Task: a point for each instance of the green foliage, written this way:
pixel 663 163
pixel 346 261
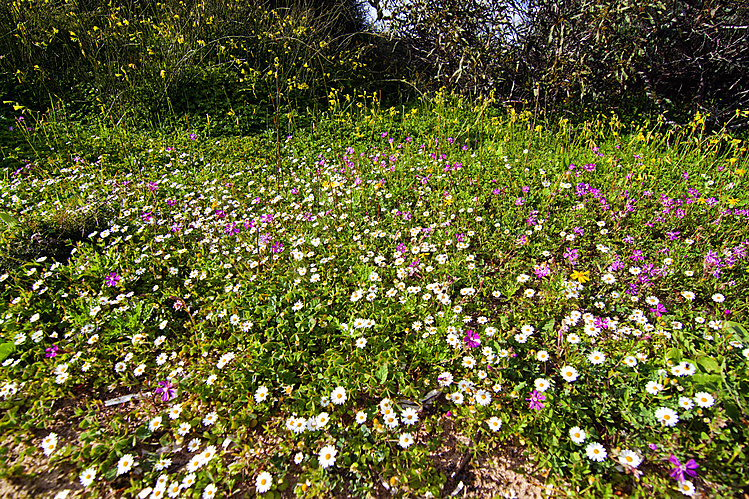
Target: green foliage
pixel 245 61
pixel 260 277
pixel 671 57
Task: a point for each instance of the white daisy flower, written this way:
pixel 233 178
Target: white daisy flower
pixel 263 482
pixel 577 435
pixel 703 399
pixel 666 416
pixel 327 455
pixel 595 452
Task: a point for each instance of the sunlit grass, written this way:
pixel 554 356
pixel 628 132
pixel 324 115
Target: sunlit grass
pixel 311 322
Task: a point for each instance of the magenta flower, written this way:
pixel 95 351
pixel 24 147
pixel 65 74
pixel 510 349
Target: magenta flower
pixel 112 279
pixel 571 255
pixel 535 400
pixel 51 351
pixel 166 390
pixel 678 472
pixel 542 270
pixel 472 338
pixel 658 310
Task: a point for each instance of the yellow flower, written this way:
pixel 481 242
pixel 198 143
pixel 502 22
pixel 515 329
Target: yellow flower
pixel 733 201
pixel 581 277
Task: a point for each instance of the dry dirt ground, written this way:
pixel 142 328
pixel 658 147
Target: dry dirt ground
pixel 493 476
pixel 501 474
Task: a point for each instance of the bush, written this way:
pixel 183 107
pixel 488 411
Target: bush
pixel 147 60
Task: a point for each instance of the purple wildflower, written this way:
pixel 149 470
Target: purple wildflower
pixel 532 218
pixel 616 264
pixel 602 322
pixel 678 472
pixel 472 338
pixel 571 255
pixel 166 390
pixel 112 279
pixel 277 247
pixel 535 400
pixel 50 352
pixel 542 270
pixel 658 310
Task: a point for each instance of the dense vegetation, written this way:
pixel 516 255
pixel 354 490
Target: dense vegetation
pixel 341 311
pixel 251 248
pixel 249 64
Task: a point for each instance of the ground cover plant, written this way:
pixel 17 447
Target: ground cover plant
pixel 315 316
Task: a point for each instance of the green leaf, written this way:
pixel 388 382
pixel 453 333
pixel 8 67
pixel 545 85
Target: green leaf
pixel 549 326
pixel 709 364
pixel 732 411
pixel 9 219
pixel 382 373
pixel 6 349
pixel 738 329
pixel 110 474
pixel 674 354
pixel 711 380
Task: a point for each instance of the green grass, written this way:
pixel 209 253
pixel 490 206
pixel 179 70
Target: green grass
pixel 257 275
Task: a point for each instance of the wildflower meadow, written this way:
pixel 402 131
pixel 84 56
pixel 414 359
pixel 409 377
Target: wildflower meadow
pixel 377 305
